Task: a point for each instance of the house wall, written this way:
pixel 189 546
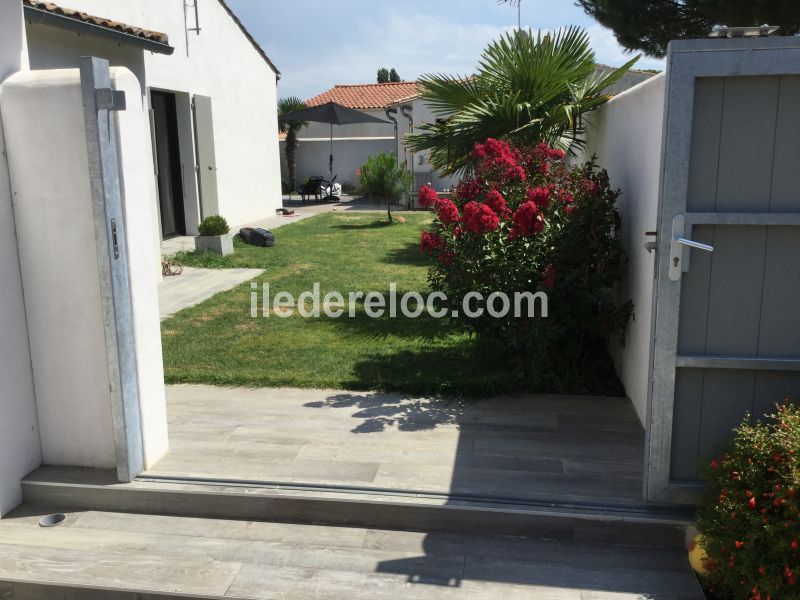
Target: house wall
pixel 222 64
pixel 626 135
pixel 20 448
pixel 55 48
pixel 43 111
pixel 424 171
pixel 352 144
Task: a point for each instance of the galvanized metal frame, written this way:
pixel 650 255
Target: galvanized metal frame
pixel 100 103
pixel 687 61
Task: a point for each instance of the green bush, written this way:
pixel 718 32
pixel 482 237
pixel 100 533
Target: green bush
pixel 750 521
pixel 213 225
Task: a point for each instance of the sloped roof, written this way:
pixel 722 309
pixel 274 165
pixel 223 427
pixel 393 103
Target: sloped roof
pixel 249 36
pixel 76 15
pixel 144 34
pixel 367 95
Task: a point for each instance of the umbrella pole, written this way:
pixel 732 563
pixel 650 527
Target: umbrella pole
pixel 330 195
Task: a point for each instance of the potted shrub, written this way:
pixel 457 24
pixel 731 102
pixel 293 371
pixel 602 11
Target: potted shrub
pixel 214 236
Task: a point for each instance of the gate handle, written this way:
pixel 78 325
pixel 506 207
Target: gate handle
pixel 693 244
pixel 679 256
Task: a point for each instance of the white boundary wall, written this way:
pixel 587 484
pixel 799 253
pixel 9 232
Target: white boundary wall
pixel 49 170
pixel 626 135
pixel 20 450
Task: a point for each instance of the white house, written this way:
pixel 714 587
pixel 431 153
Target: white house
pixel 213 127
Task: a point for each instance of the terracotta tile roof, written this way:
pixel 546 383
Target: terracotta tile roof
pixel 146 34
pixel 367 95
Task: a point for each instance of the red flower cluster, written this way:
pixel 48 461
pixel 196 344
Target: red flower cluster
pixel 542 152
pixel 430 242
pixel 541 157
pixel 479 218
pixel 446 210
pixel 469 189
pixel 497 161
pixel 540 196
pixel 498 204
pixel 428 197
pixel 526 221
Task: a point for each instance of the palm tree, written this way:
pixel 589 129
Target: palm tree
pixel 528 88
pixel 290 128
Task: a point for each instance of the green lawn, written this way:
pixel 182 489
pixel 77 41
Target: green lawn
pixel 217 342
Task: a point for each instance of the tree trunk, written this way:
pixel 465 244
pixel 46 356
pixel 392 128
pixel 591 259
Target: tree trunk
pixel 290 149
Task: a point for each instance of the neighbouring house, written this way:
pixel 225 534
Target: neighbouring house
pixel 213 127
pixel 354 143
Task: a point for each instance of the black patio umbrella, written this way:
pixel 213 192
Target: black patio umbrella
pixel 335 114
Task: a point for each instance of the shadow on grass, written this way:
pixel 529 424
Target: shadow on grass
pixel 378 224
pixel 407 255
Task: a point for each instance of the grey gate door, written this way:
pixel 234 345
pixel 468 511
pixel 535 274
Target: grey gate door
pixel 727 324
pixel 206 156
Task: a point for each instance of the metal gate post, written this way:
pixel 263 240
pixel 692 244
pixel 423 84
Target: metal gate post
pixel 100 102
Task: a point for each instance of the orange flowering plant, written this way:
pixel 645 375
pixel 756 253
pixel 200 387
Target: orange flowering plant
pixel 750 521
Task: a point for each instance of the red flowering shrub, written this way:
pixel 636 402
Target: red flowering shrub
pixel 523 220
pixel 480 218
pixel 750 521
pixel 446 210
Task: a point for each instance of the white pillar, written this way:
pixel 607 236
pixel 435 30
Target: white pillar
pixel 49 168
pixel 20 449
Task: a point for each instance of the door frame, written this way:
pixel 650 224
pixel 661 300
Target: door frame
pixel 173 133
pixel 687 61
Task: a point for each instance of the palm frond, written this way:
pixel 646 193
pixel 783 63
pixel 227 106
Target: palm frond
pixel 529 87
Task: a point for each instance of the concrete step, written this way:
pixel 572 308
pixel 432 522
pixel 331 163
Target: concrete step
pixel 109 555
pixel 99 490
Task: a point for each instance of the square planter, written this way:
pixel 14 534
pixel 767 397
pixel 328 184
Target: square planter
pixel 220 244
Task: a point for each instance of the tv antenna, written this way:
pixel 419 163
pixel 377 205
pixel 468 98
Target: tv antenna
pixel 518 4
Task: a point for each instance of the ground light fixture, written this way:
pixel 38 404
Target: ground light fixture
pixel 52 520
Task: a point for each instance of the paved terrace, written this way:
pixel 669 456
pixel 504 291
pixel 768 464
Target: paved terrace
pixel 585 450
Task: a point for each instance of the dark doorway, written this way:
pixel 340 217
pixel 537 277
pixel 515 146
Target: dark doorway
pixel 168 163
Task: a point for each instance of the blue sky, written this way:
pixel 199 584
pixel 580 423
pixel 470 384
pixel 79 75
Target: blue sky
pixel 319 43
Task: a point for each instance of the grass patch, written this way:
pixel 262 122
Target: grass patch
pixel 217 342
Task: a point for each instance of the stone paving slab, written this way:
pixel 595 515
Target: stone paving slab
pixel 194 286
